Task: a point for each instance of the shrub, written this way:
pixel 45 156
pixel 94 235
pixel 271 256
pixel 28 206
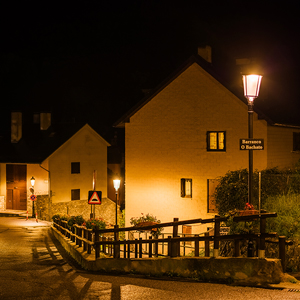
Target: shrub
pixel 95 223
pixel 56 218
pixel 232 190
pixel 288 215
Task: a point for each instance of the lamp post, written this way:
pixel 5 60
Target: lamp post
pixel 32 181
pixel 117 186
pixel 251 90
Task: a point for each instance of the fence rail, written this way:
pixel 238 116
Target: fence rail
pixel 107 240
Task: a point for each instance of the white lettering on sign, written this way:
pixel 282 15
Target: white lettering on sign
pixel 254 147
pixel 251 142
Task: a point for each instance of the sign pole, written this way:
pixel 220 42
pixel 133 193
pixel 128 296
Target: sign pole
pixel 94 188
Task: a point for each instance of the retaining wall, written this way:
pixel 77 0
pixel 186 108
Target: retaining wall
pixel 239 270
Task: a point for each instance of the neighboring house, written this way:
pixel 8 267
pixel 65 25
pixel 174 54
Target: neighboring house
pixel 187 133
pixel 62 160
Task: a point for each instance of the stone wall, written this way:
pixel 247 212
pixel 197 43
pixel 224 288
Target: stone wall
pixel 42 207
pixel 106 210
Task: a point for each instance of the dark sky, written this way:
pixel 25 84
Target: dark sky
pixel 90 60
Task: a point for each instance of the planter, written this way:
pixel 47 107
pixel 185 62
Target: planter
pixel 248 212
pixel 147 223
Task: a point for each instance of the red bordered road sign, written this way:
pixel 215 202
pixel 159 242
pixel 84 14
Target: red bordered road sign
pixel 33 197
pixel 95 197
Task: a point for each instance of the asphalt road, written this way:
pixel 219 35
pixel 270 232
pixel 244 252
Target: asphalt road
pixel 34 266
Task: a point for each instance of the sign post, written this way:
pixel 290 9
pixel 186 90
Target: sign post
pixel 93 208
pixel 252 144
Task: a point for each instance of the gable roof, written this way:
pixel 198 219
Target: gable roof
pixel 35 147
pixel 210 70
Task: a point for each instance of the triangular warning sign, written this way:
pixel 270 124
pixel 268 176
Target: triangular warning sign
pixel 95 197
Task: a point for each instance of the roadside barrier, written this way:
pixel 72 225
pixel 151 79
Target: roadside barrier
pixel 108 241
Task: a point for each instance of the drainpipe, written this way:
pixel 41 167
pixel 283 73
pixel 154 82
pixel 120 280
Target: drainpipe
pixel 49 190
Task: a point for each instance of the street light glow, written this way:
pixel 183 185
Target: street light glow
pixel 251 86
pixel 116 184
pixel 32 181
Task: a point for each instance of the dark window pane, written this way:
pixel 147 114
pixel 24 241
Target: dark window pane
pixel 75 194
pixel 75 167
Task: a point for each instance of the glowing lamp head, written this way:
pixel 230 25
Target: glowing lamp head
pixel 32 181
pixel 251 86
pixel 117 184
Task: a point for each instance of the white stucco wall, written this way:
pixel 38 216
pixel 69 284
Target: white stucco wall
pixel 166 141
pixel 88 148
pixel 280 145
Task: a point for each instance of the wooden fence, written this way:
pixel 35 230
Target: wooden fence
pixel 107 240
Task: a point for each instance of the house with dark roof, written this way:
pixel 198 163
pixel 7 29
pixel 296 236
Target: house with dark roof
pixel 66 161
pixel 185 134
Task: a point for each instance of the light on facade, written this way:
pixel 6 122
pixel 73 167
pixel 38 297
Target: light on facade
pixel 32 181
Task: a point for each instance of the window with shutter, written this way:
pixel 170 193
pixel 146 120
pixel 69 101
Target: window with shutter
pixel 75 167
pixel 216 141
pixel 296 141
pixel 186 187
pixel 75 194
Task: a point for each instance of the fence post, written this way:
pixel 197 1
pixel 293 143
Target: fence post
pixel 124 248
pixel 216 235
pixel 282 252
pixel 128 249
pixel 97 247
pixel 110 246
pixel 169 246
pixel 197 245
pixel 262 241
pixel 136 248
pixel 79 233
pixel 206 243
pixel 236 248
pixel 84 242
pixel 116 240
pixel 90 237
pixel 150 246
pixel 176 245
pixel 140 248
pixel 156 246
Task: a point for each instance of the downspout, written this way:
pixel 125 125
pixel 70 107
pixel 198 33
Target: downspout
pixel 49 192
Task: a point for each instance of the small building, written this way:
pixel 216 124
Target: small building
pixel 66 162
pixel 184 135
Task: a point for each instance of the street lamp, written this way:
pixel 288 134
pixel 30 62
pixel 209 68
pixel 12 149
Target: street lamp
pixel 251 90
pixel 32 181
pixel 117 186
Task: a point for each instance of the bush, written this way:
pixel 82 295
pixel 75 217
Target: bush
pixel 95 223
pixel 288 215
pixel 232 190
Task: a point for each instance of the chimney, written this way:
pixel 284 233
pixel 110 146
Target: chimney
pixel 205 53
pixel 16 126
pixel 45 120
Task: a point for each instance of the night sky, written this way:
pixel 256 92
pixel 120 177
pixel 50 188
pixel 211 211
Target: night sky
pixel 91 60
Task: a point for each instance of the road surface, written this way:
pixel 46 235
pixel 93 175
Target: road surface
pixel 34 266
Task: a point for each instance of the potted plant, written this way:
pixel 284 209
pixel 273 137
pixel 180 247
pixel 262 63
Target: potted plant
pixel 95 223
pixel 248 210
pixel 147 220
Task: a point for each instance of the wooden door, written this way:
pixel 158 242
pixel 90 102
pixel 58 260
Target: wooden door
pixel 16 187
